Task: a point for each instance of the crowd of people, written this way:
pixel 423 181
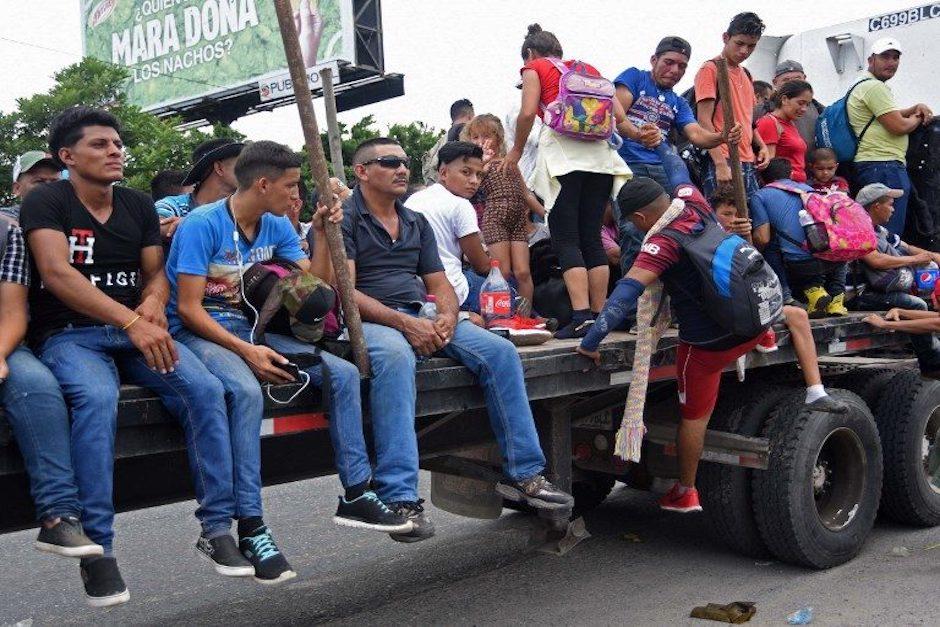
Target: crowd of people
pixel 102 285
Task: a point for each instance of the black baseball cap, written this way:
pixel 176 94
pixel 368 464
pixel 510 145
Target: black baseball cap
pixel 674 44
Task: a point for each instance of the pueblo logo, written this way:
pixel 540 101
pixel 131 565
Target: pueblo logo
pixel 101 12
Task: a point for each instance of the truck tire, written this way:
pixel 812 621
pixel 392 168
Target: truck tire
pixel 868 383
pixel 908 417
pixel 591 491
pixel 817 501
pixel 725 490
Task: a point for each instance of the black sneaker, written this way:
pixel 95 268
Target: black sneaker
pixel 68 539
pixel 537 492
pixel 369 512
pixel 574 329
pixel 104 586
pixel 422 527
pixel 225 557
pixel 271 566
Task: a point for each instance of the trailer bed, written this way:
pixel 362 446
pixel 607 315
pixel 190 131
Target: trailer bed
pixel 150 452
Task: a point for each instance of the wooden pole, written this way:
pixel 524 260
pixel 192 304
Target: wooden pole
pixel 332 125
pixel 334 238
pixel 727 114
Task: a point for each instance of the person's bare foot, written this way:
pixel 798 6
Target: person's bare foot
pixel 594 356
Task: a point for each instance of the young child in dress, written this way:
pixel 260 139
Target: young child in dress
pixel 505 211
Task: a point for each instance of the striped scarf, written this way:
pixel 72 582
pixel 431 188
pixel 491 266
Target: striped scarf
pixel 653 318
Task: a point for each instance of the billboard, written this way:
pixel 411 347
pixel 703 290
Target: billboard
pixel 183 50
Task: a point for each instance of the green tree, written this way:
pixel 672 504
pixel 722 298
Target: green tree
pixel 415 138
pixel 153 143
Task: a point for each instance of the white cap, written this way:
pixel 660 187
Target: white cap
pixel 884 44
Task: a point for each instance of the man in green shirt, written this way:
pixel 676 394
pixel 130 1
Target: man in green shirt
pixel 883 127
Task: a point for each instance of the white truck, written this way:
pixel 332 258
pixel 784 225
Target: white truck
pixel 833 56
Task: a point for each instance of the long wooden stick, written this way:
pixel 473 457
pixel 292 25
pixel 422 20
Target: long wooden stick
pixel 332 125
pixel 727 114
pixel 334 238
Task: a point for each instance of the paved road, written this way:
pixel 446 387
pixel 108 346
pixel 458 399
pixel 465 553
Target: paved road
pixel 472 573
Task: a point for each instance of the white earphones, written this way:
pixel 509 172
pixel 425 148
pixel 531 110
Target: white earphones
pixel 254 325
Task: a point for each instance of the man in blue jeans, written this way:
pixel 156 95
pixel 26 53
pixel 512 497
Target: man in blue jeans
pixel 97 303
pixel 211 252
pixel 654 111
pixel 393 258
pixel 33 404
pixel 883 127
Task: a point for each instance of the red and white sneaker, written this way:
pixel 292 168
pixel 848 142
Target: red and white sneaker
pixel 674 502
pixel 518 323
pixel 768 343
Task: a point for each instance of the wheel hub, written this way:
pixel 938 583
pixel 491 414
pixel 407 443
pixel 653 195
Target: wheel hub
pixel 930 450
pixel 838 478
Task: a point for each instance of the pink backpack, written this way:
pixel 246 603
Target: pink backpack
pixel 851 234
pixel 584 108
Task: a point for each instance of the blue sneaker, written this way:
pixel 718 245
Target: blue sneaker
pixel 369 512
pixel 270 565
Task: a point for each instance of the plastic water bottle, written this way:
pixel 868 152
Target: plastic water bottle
pixel 803 616
pixel 428 310
pixel 495 296
pixel 817 238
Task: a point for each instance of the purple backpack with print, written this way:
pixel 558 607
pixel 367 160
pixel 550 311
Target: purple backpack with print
pixel 584 108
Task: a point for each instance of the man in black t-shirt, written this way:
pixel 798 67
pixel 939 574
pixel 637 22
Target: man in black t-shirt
pixel 97 306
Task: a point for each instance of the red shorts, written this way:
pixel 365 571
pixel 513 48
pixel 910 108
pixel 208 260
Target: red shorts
pixel 699 371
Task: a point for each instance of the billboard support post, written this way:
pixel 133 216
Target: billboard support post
pixel 334 237
pixel 332 125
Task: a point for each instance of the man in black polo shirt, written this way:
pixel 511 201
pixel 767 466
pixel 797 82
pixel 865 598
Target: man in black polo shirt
pixel 390 247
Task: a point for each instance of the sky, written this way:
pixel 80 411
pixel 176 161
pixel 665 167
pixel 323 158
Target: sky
pixel 449 50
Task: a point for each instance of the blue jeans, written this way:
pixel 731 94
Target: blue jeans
pixel 710 182
pixel 497 367
pixel 244 399
pixel 926 347
pixel 40 420
pixel 90 363
pixel 894 175
pixel 654 171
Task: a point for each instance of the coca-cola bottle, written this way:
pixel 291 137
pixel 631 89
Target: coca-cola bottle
pixel 495 297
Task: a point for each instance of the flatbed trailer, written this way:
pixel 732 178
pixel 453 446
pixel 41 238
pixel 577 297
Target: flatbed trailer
pixel 767 487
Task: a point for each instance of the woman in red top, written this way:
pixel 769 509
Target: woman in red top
pixel 575 177
pixel 778 131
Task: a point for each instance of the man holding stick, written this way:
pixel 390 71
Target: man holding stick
pixel 740 41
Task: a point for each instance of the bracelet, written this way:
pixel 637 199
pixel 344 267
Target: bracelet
pixel 128 325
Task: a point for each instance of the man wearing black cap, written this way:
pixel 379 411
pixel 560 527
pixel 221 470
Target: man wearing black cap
pixel 653 111
pixel 706 347
pixel 213 174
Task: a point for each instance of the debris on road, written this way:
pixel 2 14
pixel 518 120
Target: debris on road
pixel 803 616
pixel 736 613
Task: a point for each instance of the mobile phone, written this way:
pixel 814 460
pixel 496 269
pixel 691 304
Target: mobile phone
pixel 292 369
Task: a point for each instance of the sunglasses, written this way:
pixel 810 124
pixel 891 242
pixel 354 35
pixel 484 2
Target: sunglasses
pixel 390 161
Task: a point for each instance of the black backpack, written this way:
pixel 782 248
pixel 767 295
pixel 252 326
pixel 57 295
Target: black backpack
pixel 740 291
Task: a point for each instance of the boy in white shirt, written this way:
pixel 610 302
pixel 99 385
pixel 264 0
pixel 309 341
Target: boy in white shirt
pixel 454 221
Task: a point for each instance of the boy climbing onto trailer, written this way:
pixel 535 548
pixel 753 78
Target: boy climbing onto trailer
pixel 709 339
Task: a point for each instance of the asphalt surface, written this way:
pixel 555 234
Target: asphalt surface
pixel 472 573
